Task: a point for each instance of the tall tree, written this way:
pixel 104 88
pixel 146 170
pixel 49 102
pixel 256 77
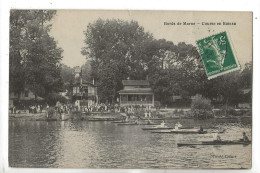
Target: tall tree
pixel 178 66
pixel 246 78
pixel 120 49
pixel 34 55
pixel 115 49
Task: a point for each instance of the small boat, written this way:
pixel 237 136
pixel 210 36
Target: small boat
pixel 152 118
pixel 135 123
pixel 128 124
pixel 182 131
pixel 216 142
pixel 99 112
pixel 101 119
pixel 186 127
pixel 120 122
pixel 157 128
pixel 149 123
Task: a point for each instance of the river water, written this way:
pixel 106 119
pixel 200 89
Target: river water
pixel 83 144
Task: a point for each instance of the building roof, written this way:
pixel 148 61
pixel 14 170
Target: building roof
pixel 135 82
pixel 137 91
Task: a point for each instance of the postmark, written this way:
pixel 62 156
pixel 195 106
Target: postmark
pixel 217 55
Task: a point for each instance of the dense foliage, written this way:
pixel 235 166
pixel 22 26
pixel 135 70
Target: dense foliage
pixel 53 98
pixel 121 49
pixel 201 107
pixel 34 55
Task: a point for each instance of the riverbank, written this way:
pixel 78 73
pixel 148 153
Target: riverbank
pixel 64 116
pixel 166 114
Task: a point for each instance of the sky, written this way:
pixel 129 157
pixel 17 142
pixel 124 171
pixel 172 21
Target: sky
pixel 68 27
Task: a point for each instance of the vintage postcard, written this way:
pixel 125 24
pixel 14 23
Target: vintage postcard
pixel 130 89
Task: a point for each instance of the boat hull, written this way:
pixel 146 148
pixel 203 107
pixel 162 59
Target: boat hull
pixel 132 124
pixel 101 119
pixel 120 122
pixel 152 118
pixel 182 132
pixel 215 143
pixel 157 128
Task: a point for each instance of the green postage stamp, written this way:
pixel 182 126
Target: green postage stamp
pixel 217 55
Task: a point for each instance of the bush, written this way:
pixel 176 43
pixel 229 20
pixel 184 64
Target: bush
pixel 52 99
pixel 201 108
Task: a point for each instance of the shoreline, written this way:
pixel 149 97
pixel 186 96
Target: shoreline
pixel 96 116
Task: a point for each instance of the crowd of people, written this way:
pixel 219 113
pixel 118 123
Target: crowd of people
pixel 32 108
pixel 67 108
pixel 116 108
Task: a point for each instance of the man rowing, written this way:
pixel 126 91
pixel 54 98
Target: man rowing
pixel 177 126
pixel 245 138
pixel 161 125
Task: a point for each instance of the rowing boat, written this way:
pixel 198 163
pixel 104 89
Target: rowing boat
pixel 182 131
pixel 120 122
pixel 101 119
pixel 157 128
pixel 215 142
pixel 129 124
pixel 152 118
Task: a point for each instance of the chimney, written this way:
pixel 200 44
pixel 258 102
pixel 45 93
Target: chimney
pixel 93 81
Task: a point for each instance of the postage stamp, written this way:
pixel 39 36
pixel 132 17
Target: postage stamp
pixel 217 55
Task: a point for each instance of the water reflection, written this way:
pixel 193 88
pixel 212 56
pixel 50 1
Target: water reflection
pixel 82 144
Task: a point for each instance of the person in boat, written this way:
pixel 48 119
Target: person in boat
pixel 162 124
pixel 150 115
pixel 201 129
pixel 217 137
pixel 145 114
pixel 245 138
pixel 178 126
pixel 128 115
pixel 138 117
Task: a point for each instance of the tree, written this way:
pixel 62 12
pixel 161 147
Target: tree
pixel 34 55
pixel 175 70
pixel 245 80
pixel 68 78
pixel 120 49
pixel 201 107
pixel 86 71
pixel 115 49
